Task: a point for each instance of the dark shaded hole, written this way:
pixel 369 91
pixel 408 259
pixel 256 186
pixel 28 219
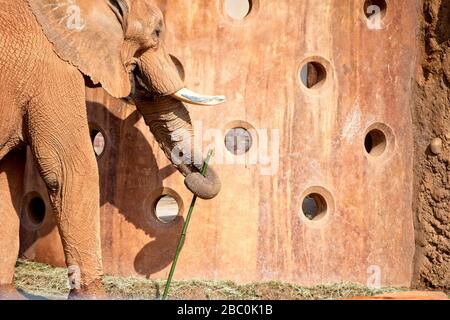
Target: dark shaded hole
pixel 238 9
pixel 314 206
pixel 443 23
pixel 375 9
pixel 313 74
pixel 375 142
pixel 98 142
pixel 166 209
pixel 238 141
pixel 36 211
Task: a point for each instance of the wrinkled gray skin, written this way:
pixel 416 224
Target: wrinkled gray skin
pixel 44 58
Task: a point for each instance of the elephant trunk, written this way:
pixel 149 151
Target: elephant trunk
pixel 170 123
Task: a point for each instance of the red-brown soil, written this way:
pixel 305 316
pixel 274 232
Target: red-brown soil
pixel 431 115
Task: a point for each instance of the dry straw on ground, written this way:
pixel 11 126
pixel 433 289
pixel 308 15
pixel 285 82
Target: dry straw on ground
pixel 40 281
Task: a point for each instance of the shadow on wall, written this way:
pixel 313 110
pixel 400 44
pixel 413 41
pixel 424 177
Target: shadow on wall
pixel 130 186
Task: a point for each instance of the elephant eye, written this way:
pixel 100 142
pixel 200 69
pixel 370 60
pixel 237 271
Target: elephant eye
pixel 158 30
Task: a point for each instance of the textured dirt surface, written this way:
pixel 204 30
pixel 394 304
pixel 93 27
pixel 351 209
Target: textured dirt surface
pixel 432 150
pixel 407 295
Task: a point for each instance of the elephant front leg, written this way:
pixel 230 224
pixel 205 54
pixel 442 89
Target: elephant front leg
pixel 63 152
pixel 70 172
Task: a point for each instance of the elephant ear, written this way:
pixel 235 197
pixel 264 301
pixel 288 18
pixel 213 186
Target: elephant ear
pixel 88 34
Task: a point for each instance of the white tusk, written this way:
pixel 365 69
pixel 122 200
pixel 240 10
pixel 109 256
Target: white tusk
pixel 189 96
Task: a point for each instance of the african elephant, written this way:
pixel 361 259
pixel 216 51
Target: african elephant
pixel 49 51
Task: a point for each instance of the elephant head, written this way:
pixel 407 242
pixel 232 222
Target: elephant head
pixel 119 44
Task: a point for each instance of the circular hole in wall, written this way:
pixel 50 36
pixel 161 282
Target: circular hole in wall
pixel 166 209
pixel 179 66
pixel 375 142
pixel 313 74
pixel 98 142
pixel 238 140
pixel 238 9
pixel 33 211
pixel 375 9
pixel 314 206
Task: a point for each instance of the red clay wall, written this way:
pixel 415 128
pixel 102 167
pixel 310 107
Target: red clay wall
pixel 256 230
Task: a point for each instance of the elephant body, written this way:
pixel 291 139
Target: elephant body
pixel 118 44
pixel 42 104
pixel 30 71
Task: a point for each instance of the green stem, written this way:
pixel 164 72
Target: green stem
pixel 183 233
